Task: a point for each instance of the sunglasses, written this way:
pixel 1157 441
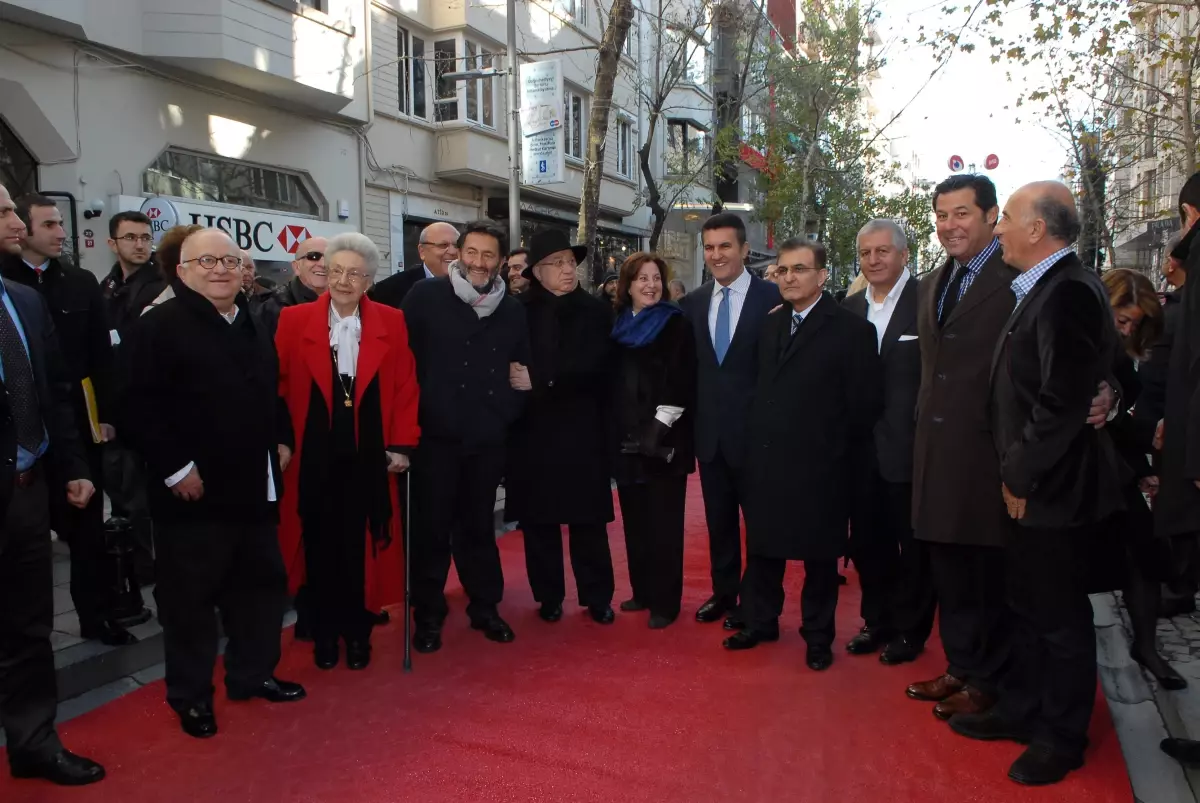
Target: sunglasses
pixel 312 256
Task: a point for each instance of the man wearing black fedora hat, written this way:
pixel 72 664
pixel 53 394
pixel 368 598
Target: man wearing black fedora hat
pixel 557 472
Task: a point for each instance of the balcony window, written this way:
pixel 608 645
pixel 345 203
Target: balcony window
pixel 625 148
pixel 216 180
pixel 573 10
pixel 686 146
pixel 575 133
pixel 445 57
pixel 411 50
pixel 481 92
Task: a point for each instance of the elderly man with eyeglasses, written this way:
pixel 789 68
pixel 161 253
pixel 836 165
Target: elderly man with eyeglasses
pixel 310 281
pixel 213 482
pixel 438 248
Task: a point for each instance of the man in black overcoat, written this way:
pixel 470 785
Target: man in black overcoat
pixel 818 396
pixel 1059 481
pixel 213 480
pixel 897 592
pixel 558 473
pixel 466 333
pixel 726 314
pixel 43 458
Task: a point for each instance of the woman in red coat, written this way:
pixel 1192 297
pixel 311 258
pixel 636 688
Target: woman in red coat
pixel 347 376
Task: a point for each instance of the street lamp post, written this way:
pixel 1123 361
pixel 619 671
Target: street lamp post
pixel 514 124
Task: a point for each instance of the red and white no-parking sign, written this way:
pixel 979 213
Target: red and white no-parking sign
pixel 992 162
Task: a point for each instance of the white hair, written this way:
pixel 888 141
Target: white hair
pixel 899 238
pixel 355 243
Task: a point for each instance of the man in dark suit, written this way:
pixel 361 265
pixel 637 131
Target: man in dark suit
pixel 42 457
pixel 1059 482
pixel 727 314
pixel 897 592
pixel 438 248
pixel 818 396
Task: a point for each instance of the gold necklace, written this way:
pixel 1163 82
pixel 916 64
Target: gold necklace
pixel 349 402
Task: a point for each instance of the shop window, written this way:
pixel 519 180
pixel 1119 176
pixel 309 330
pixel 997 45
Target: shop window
pixel 18 170
pixel 445 57
pixel 216 180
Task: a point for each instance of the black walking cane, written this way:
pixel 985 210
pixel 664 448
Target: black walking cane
pixel 407 556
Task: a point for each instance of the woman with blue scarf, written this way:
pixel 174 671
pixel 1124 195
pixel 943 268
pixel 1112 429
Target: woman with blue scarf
pixel 654 392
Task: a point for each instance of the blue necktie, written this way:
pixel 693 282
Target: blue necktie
pixel 721 338
pixel 797 319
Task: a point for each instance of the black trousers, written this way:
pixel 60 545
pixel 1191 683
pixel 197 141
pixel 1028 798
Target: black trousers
pixel 972 613
pixel 1051 684
pixel 335 571
pixel 591 562
pixel 724 495
pixel 652 513
pixel 237 569
pixel 28 694
pixel 83 532
pixel 898 596
pixel 762 597
pixel 453 515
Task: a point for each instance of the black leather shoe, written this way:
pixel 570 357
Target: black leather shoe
pixel 748 639
pixel 660 620
pixel 109 633
pixel 602 614
pixel 819 658
pixel 550 612
pixel 714 609
pixel 63 768
pixel 325 654
pixel 358 654
pixel 273 691
pixel 900 651
pixel 1040 765
pixel 495 629
pixel 734 621
pixel 632 605
pixel 989 727
pixel 198 721
pixel 427 639
pixel 1185 751
pixel 867 641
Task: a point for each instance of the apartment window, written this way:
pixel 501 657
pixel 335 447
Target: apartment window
pixel 630 38
pixel 697 63
pixel 752 125
pixel 411 50
pixel 445 59
pixel 575 10
pixel 575 133
pixel 1151 149
pixel 687 145
pixel 214 179
pixel 481 92
pixel 625 148
pixel 316 5
pixel 1150 191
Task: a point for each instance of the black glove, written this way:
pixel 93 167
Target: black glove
pixel 648 442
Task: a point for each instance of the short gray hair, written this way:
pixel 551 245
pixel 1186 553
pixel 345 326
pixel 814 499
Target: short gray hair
pixel 899 238
pixel 1062 220
pixel 355 243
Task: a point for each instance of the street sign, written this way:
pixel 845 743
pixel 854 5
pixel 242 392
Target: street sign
pixel 956 164
pixel 993 161
pixel 542 123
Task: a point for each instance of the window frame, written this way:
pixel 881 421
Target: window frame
pixel 478 58
pixel 625 149
pixel 411 75
pixel 257 177
pixel 570 95
pixel 441 66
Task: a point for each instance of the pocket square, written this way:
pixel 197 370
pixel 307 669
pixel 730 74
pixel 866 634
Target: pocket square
pixel 906 338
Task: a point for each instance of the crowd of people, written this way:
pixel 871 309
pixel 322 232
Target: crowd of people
pixel 982 442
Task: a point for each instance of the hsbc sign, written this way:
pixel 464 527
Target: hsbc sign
pixel 265 235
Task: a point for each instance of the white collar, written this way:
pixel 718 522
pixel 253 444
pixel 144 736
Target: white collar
pixel 804 312
pixel 230 316
pixel 893 294
pixel 334 317
pixel 740 285
pixel 39 268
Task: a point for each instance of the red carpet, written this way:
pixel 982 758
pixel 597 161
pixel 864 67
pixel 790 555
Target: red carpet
pixel 574 712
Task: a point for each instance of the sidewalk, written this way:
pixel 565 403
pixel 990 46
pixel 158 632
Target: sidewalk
pixel 1143 713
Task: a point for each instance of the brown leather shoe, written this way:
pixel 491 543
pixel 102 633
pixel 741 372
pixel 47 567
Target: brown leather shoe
pixel 968 701
pixel 935 690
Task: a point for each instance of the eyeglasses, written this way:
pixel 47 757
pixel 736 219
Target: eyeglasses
pixel 438 246
pixel 143 239
pixel 311 256
pixel 355 276
pixel 210 262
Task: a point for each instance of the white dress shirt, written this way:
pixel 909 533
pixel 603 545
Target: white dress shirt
pixel 178 476
pixel 737 299
pixel 428 272
pixel 880 313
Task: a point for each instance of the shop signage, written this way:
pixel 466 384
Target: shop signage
pixel 267 236
pixel 542 123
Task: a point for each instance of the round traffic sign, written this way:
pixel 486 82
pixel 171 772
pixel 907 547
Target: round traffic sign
pixel 993 161
pixel 956 163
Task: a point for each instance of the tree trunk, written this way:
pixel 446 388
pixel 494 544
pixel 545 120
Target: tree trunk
pixel 607 64
pixel 653 195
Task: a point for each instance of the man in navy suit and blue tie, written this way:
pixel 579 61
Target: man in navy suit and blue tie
pixel 727 314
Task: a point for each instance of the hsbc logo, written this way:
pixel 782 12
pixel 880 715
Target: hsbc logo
pixel 163 215
pixel 291 237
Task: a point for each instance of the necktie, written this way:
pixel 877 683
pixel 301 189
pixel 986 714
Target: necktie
pixel 953 291
pixel 721 338
pixel 797 319
pixel 18 378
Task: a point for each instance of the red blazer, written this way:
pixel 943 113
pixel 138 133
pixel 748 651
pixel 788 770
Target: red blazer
pixel 302 341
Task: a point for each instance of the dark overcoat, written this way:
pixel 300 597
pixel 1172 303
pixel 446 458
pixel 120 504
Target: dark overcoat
pixel 1177 508
pixel 956 472
pixel 810 443
pixel 557 468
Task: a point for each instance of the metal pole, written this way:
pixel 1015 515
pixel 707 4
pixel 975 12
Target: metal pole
pixel 514 133
pixel 407 572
